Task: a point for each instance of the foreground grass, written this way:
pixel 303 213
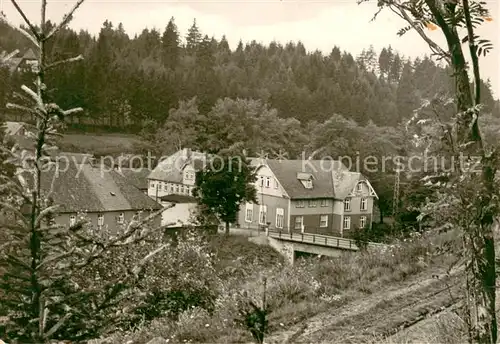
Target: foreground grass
pixel 295 293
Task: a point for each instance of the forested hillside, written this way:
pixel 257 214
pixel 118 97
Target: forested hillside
pixel 128 80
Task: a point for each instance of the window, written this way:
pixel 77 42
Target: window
pixel 300 204
pixel 177 189
pixel 249 212
pixel 151 184
pixel 299 221
pixel 323 221
pixel 347 204
pixel 324 203
pixel 268 182
pixel 171 188
pixel 347 222
pixel 182 189
pixel 280 217
pixel 312 203
pixel 362 222
pixel 121 218
pixel 275 183
pixel 261 181
pixel 359 187
pixel 100 220
pixel 364 204
pixel 72 220
pixel 165 187
pixel 308 184
pixel 263 214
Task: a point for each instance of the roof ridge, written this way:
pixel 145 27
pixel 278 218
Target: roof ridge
pixel 105 188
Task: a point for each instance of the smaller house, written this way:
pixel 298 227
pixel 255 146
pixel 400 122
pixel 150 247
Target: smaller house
pixel 107 197
pixel 27 62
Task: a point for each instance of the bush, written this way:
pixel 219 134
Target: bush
pixel 293 293
pixel 180 279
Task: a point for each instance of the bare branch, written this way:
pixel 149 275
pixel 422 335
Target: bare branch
pixel 66 19
pixel 33 95
pixel 6 57
pixel 72 111
pixel 57 325
pixel 20 107
pixel 433 45
pixel 43 214
pixel 72 59
pixel 25 33
pixel 26 20
pixel 137 268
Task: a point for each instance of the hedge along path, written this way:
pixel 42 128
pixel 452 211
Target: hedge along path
pixel 381 314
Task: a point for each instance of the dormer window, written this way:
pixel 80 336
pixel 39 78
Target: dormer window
pixel 306 179
pixel 359 187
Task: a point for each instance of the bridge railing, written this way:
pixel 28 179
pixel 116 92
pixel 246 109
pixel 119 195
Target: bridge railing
pixel 316 239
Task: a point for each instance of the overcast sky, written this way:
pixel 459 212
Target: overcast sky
pixel 318 24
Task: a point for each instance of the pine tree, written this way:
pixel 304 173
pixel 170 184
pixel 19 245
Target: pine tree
pixel 193 38
pixel 48 286
pixel 395 68
pixel 224 45
pixel 384 63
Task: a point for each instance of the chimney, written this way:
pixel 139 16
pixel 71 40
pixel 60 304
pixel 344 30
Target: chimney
pixel 187 153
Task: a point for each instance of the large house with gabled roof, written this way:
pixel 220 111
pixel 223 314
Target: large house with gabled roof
pixel 310 196
pixel 176 174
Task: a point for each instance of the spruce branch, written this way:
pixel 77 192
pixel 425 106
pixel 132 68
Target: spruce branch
pixel 65 21
pixel 69 60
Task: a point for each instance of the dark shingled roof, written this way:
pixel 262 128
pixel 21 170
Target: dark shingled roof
pixel 136 177
pixel 83 187
pixel 321 170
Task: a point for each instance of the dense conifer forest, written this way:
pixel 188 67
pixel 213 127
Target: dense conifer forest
pixel 127 80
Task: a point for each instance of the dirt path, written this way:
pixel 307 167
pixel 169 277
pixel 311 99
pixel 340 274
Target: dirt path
pixel 378 314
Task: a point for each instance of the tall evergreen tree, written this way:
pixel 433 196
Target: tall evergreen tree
pixel 193 38
pixel 395 68
pixel 170 45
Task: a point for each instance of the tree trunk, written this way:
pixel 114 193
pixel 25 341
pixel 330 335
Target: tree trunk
pixel 227 227
pixel 381 213
pixel 482 288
